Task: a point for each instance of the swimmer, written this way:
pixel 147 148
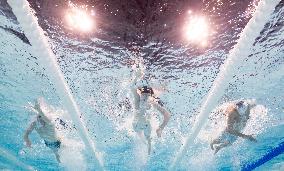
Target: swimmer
pixel 45 128
pixel 144 99
pixel 237 116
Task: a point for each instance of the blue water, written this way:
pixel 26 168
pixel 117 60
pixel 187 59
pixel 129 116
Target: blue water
pixel 98 78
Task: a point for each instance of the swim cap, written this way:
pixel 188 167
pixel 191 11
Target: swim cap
pixel 146 89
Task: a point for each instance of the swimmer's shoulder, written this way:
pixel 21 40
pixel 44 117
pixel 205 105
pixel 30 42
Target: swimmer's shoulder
pixel 231 108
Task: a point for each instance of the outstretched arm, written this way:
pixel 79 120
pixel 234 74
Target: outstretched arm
pixel 239 134
pixel 247 112
pixel 136 76
pixel 166 115
pixel 27 133
pixel 136 96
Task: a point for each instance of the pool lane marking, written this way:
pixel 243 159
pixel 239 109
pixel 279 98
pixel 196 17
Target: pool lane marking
pixel 267 157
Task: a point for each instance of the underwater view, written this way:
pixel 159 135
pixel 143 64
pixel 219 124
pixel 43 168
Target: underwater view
pixel 142 85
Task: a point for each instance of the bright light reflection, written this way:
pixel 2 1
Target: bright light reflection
pixel 78 19
pixel 197 30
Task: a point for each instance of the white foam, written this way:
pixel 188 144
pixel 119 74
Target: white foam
pixel 71 156
pixel 140 153
pixel 258 121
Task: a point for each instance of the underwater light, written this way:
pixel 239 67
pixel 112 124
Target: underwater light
pixel 78 19
pixel 196 30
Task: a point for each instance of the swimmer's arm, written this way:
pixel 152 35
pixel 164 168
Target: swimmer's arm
pixel 136 97
pixel 164 112
pixel 247 112
pixel 46 119
pixel 237 133
pixel 27 133
pixel 244 136
pixel 232 115
pixel 136 76
pixel 133 89
pixel 162 88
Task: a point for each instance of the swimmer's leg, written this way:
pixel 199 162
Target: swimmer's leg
pixel 55 151
pixel 54 146
pixel 149 145
pixel 147 134
pixel 140 135
pixel 137 128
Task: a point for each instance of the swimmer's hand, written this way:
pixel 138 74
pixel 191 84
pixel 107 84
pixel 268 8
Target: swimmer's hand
pixel 159 132
pixel 251 138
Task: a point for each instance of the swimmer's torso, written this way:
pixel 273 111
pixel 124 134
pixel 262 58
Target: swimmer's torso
pixel 243 117
pixel 142 112
pixel 240 117
pixel 46 130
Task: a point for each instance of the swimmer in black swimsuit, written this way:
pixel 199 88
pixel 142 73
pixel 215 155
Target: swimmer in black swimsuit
pixel 45 128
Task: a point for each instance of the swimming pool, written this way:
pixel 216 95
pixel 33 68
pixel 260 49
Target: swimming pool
pixel 98 72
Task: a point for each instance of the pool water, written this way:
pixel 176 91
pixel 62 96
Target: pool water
pixel 98 72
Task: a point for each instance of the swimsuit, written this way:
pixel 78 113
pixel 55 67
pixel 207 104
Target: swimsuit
pixel 46 131
pixel 142 120
pixel 144 126
pixel 53 145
